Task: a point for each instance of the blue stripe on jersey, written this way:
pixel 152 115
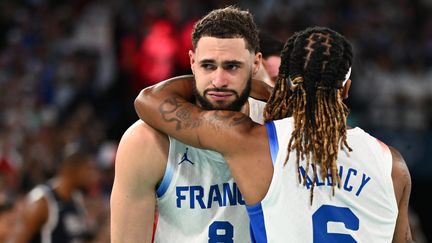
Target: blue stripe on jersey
pixel 257 224
pixel 166 180
pixel 273 140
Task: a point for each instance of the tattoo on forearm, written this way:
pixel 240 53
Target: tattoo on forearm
pixel 176 110
pixel 221 115
pixel 167 107
pixel 239 119
pixel 184 115
pixel 234 118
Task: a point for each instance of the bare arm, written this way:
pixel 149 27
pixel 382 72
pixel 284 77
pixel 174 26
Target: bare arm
pixel 165 107
pixel 140 165
pixel 260 90
pixel 402 185
pixel 243 143
pixel 32 218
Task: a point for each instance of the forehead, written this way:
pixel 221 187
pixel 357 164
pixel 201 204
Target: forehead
pixel 222 49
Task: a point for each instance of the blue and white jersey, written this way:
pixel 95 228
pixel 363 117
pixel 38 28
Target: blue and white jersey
pixel 363 209
pixel 198 200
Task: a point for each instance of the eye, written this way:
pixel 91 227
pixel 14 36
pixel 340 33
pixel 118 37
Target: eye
pixel 208 66
pixel 231 67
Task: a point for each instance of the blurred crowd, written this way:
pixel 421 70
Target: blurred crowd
pixel 69 71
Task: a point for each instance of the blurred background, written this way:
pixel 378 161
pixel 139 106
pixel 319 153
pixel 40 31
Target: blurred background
pixel 70 70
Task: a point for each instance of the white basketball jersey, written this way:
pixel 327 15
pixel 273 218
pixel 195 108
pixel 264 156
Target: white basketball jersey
pixel 363 209
pixel 198 200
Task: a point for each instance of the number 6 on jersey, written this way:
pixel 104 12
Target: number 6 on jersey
pixel 326 214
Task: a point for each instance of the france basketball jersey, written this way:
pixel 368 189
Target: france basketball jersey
pixel 198 200
pixel 363 209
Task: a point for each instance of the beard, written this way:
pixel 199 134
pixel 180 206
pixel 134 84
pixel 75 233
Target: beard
pixel 235 105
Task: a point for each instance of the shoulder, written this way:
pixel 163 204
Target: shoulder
pixel 142 151
pixel 400 174
pixel 400 169
pixel 36 206
pixel 140 133
pixel 142 140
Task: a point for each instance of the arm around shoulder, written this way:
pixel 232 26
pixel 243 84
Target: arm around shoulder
pixel 139 166
pixel 166 107
pixel 402 186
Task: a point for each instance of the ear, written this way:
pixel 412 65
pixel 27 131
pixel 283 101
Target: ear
pixel 346 89
pixel 257 62
pixel 192 60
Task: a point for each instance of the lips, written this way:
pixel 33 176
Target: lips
pixel 219 95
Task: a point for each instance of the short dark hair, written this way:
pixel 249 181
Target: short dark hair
pixel 269 45
pixel 229 22
pixel 74 155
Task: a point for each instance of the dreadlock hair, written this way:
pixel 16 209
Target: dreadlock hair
pixel 309 87
pixel 229 22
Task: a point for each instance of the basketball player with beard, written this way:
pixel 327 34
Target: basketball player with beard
pixel 193 189
pixel 306 176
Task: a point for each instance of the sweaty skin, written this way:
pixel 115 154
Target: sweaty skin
pixel 243 143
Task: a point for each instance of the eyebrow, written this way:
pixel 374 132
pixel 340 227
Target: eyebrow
pixel 207 61
pixel 232 62
pixel 228 62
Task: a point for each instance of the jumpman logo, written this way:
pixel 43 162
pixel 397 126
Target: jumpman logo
pixel 185 157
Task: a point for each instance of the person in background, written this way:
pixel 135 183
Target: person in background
pixel 270 48
pixel 54 212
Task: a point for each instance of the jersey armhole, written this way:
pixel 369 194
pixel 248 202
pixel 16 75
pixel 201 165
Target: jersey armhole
pixel 273 140
pixel 257 223
pixel 169 171
pixel 53 213
pixel 255 212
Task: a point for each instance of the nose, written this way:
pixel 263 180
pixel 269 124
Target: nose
pixel 220 80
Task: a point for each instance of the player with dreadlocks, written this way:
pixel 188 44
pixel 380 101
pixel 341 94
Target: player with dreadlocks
pixel 362 186
pixel 316 80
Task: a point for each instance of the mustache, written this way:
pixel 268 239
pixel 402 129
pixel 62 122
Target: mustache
pixel 220 90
